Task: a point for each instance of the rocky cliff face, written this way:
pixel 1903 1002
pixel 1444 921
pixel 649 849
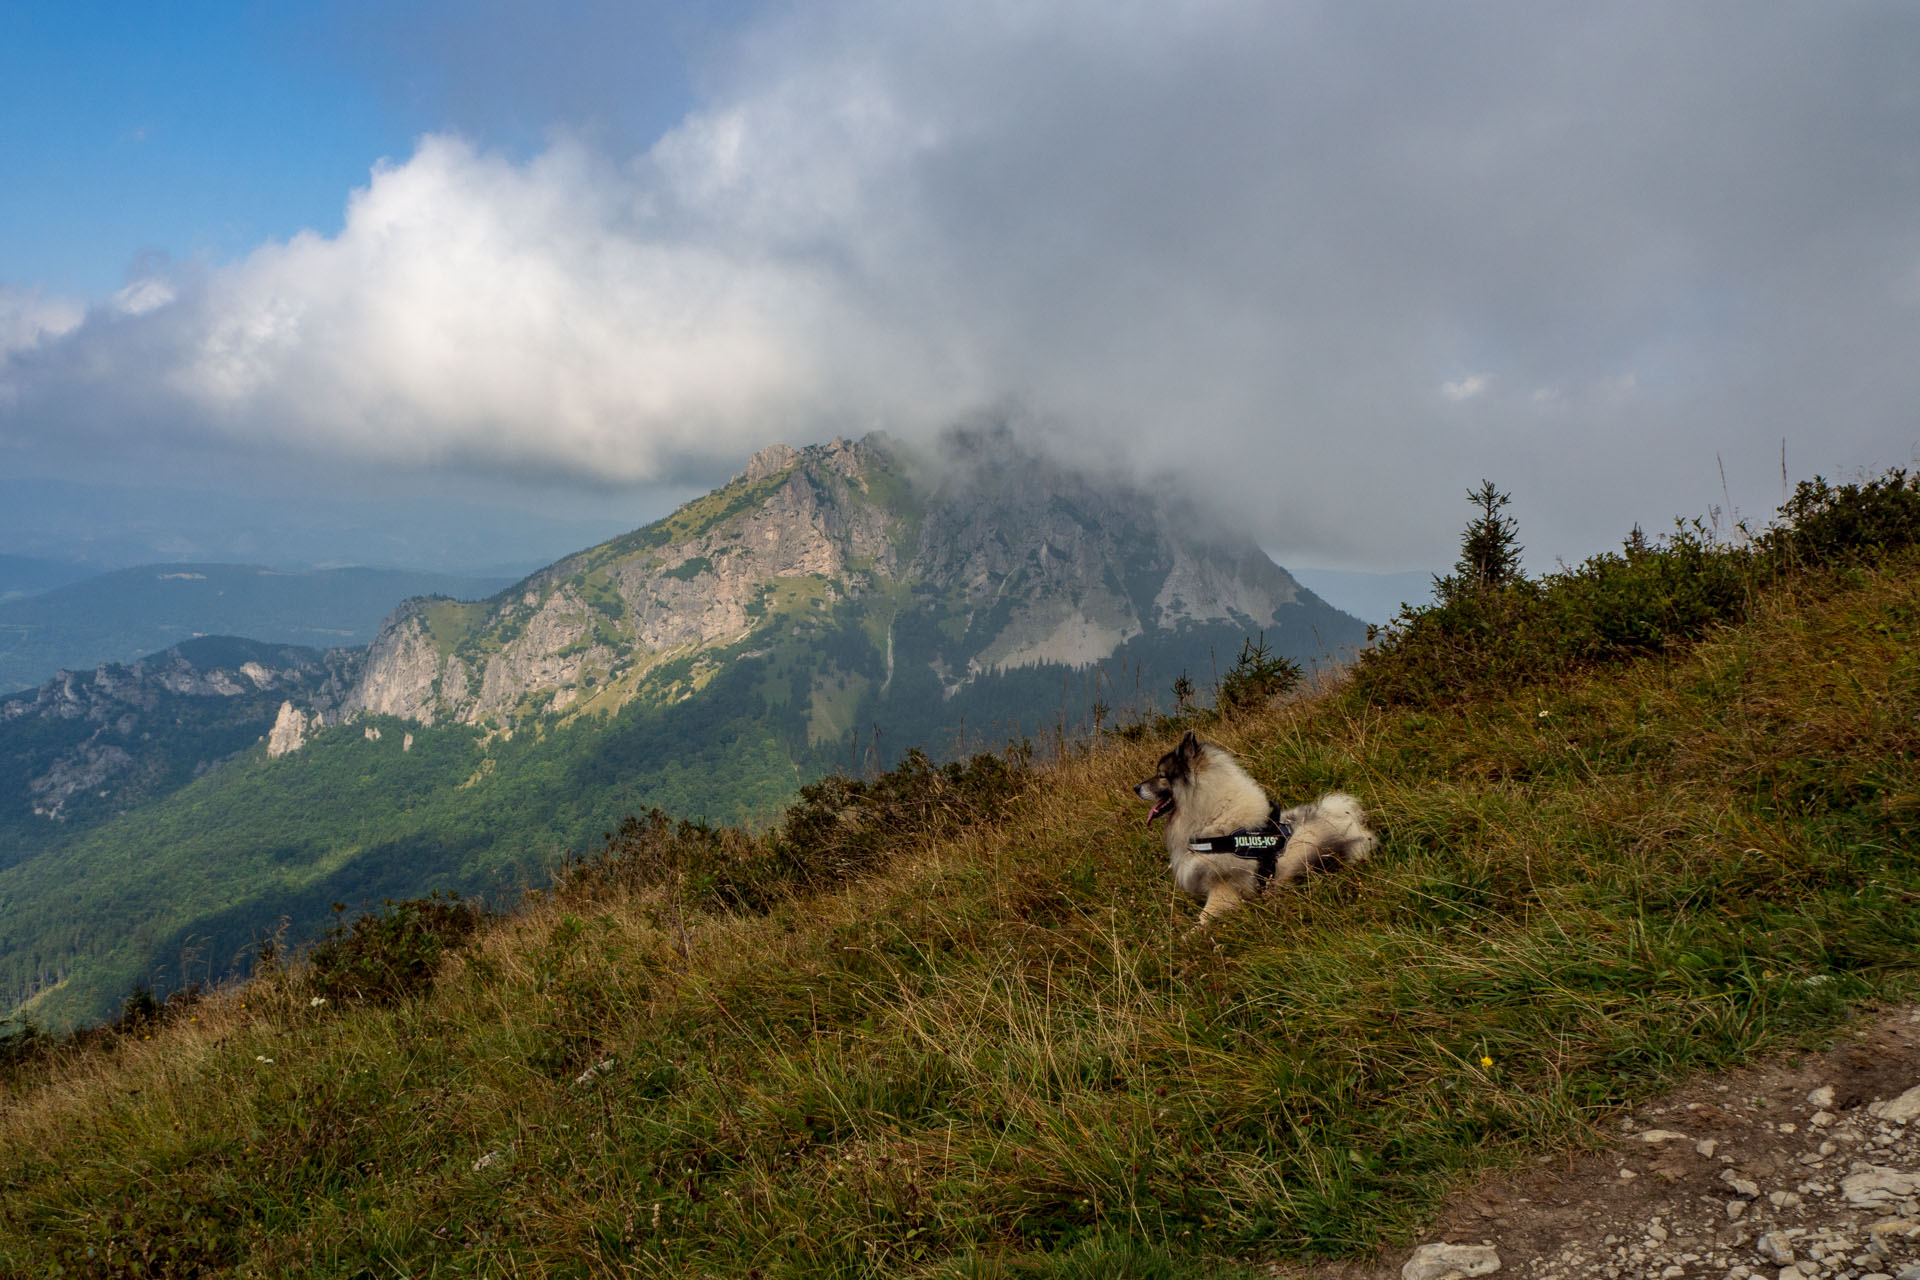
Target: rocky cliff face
pixel 109 738
pixel 1014 561
pixel 1063 569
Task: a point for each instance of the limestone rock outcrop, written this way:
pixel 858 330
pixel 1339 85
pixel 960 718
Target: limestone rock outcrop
pixel 1009 560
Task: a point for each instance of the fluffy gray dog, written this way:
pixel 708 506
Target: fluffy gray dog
pixel 1227 843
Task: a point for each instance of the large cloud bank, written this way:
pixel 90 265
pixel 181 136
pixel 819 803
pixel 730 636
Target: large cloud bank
pixel 1329 264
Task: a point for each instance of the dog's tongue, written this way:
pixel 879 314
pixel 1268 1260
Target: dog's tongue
pixel 1159 807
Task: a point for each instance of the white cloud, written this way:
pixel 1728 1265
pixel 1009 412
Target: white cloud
pixel 149 293
pixel 1229 241
pixel 28 318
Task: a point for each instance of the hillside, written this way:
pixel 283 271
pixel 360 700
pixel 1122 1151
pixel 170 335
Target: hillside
pixel 87 747
pixel 129 613
pixel 950 1023
pixel 27 575
pixel 829 608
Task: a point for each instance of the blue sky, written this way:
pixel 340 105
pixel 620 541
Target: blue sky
pixel 183 129
pixel 1324 265
pixel 197 128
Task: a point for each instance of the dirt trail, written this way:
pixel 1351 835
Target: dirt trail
pixel 1805 1167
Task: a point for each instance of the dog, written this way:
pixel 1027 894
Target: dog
pixel 1227 843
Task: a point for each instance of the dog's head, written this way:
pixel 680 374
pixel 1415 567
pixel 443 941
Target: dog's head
pixel 1170 778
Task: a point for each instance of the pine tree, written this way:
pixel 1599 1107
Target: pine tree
pixel 1490 548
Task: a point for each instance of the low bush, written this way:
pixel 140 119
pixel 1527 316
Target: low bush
pixel 838 829
pixel 1849 523
pixel 1485 631
pixel 842 827
pixel 22 1043
pixel 387 955
pixel 717 868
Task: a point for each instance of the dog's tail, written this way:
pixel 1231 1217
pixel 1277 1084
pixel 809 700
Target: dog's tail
pixel 1348 824
pixel 1329 833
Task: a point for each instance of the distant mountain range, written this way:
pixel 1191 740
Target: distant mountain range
pixel 124 615
pixel 828 608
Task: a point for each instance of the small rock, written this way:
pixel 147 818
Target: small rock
pixel 1774 1247
pixel 1658 1136
pixel 597 1069
pixel 493 1158
pixel 1628 1175
pixel 1901 1109
pixel 1656 1232
pixel 1783 1199
pixel 1735 1208
pixel 1707 1146
pixel 1911 1273
pixel 1820 1119
pixel 1450 1262
pixel 1742 1187
pixel 1876 1185
pixel 1822 1097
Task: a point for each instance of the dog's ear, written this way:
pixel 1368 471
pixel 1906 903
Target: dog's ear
pixel 1189 747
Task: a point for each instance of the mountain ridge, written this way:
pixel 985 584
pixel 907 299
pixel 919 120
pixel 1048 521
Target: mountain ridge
pixel 1017 562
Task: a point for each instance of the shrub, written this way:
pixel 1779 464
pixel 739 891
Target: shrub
pixel 719 868
pixel 838 829
pixel 1485 631
pixel 1644 598
pixel 385 956
pixel 1849 523
pixel 842 827
pixel 142 1011
pixel 22 1044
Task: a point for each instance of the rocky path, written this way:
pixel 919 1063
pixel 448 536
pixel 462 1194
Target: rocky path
pixel 1805 1168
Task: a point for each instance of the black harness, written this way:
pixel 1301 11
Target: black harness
pixel 1261 845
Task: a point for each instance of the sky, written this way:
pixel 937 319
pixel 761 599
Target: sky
pixel 1321 267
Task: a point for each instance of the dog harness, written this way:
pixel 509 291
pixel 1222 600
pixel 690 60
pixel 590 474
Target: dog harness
pixel 1261 845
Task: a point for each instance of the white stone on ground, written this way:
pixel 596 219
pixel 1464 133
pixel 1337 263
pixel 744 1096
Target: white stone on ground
pixel 1450 1262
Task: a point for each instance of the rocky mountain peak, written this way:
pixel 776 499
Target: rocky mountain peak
pixel 1009 559
pixel 774 458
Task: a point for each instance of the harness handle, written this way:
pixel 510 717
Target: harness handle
pixel 1261 845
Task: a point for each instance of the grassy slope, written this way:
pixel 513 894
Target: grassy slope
pixel 185 886
pixel 1001 1057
